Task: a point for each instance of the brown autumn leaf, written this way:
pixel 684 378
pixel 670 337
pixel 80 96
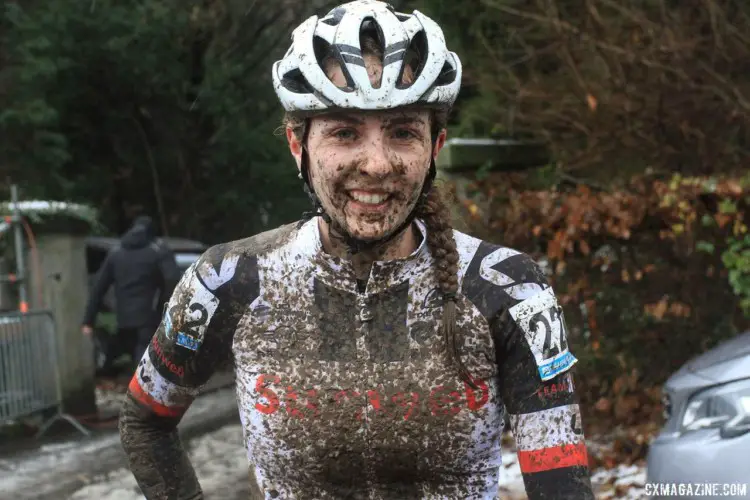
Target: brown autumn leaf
pixel 560 267
pixel 618 385
pixel 679 309
pixel 592 102
pixel 585 248
pixel 658 309
pixel 603 405
pixel 734 187
pixel 654 393
pixel 625 406
pixel 554 249
pixel 722 220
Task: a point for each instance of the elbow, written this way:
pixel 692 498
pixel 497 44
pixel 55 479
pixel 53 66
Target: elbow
pixel 132 426
pixel 139 427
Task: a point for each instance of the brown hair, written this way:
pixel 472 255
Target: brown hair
pixel 433 211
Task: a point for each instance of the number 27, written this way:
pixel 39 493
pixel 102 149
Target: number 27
pixel 558 319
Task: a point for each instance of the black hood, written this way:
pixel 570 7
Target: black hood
pixel 141 234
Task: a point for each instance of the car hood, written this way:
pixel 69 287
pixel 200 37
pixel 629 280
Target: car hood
pixel 728 361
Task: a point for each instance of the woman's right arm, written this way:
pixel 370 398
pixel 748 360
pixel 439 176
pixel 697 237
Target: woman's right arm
pixel 194 337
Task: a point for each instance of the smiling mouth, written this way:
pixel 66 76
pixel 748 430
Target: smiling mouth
pixel 369 198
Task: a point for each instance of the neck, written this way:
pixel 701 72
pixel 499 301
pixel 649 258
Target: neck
pixel 399 247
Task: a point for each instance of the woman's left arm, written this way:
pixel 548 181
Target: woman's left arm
pixel 538 392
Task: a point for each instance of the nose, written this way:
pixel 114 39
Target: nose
pixel 376 159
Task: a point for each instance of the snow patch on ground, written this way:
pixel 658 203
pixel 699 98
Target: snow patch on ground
pixel 218 458
pixel 621 482
pixel 71 457
pixel 511 480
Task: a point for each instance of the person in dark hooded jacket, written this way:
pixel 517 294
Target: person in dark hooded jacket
pixel 144 272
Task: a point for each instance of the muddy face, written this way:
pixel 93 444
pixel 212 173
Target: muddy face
pixel 368 168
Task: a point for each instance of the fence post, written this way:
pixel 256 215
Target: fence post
pixel 61 255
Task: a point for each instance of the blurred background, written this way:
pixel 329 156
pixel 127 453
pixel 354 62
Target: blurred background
pixel 608 139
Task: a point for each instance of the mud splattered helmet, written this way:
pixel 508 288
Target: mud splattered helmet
pixel 302 84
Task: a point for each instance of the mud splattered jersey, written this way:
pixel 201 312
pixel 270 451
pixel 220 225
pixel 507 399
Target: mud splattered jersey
pixel 346 391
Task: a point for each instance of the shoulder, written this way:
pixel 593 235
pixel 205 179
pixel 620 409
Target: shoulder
pixel 511 290
pixel 217 288
pixel 499 265
pixel 253 246
pixel 236 261
pixel 496 277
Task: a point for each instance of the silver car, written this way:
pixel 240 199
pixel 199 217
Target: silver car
pixel 703 451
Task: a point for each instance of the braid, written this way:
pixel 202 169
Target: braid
pixel 436 216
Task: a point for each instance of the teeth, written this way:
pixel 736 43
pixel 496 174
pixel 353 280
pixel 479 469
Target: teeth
pixel 373 199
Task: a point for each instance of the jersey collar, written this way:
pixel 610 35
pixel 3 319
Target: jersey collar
pixel 338 272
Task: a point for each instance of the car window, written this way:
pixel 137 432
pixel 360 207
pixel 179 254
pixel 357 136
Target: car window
pixel 184 259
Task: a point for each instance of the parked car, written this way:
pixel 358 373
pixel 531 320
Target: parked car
pixel 106 352
pixel 706 437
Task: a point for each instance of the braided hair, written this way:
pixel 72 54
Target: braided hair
pixel 435 214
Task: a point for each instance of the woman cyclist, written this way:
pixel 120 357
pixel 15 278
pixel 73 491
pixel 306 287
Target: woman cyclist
pixel 375 348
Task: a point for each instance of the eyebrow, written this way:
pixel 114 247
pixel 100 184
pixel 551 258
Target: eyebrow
pixel 346 118
pixel 404 120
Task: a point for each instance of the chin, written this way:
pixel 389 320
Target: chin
pixel 369 231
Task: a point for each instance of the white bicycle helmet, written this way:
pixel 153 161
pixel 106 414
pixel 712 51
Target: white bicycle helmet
pixel 303 86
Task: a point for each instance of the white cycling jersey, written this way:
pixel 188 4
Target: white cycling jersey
pixel 345 389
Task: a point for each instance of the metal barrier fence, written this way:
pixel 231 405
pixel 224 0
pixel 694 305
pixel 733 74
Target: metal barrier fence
pixel 29 369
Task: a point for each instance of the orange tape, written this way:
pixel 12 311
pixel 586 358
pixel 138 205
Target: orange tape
pixel 556 457
pixel 149 402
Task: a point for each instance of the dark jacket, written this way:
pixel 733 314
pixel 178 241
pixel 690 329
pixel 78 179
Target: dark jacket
pixel 144 273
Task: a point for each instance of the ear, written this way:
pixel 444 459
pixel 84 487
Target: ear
pixel 295 146
pixel 439 143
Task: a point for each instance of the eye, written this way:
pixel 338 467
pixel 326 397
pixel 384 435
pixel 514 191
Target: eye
pixel 345 134
pixel 403 134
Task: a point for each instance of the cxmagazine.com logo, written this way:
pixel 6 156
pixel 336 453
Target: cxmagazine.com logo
pixel 655 490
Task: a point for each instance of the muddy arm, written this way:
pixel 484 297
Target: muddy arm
pixel 156 456
pixel 166 381
pixel 538 391
pixel 193 340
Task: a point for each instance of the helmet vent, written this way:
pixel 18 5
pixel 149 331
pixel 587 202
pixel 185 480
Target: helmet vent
pixel 334 17
pixel 295 81
pixel 447 75
pixel 414 58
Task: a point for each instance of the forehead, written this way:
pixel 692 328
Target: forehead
pixel 418 117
